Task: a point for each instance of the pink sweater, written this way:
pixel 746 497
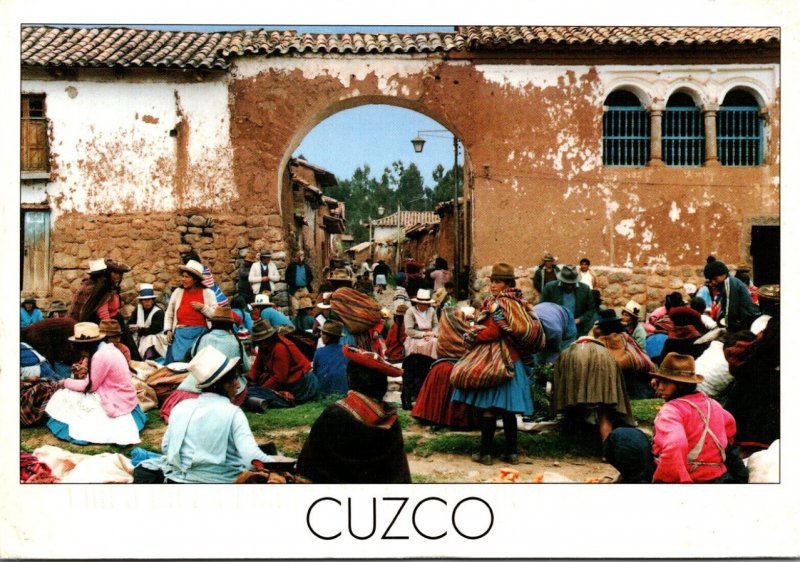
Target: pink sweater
pixel 678 428
pixel 111 380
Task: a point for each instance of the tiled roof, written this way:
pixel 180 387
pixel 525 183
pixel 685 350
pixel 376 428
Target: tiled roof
pixel 128 47
pixel 484 36
pixel 408 218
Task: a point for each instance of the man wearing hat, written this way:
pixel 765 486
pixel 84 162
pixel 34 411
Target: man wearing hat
pixel 149 326
pixel 208 440
pixel 575 296
pixel 299 278
pixel 264 273
pixel 29 313
pixel 692 434
pixel 329 363
pixel 736 307
pixel 546 272
pixel 264 308
pixel 358 439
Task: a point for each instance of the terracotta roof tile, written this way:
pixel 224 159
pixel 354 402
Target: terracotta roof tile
pixel 129 47
pixel 408 218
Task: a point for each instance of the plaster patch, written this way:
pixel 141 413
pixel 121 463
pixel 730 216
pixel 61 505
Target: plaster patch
pixel 625 228
pixel 674 212
pixel 522 76
pixel 510 157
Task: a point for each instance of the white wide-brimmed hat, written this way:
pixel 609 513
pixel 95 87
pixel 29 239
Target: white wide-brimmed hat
pixel 262 300
pixel 633 308
pixel 423 297
pixel 146 292
pixel 193 268
pixel 97 265
pixel 210 365
pixel 86 332
pixel 325 303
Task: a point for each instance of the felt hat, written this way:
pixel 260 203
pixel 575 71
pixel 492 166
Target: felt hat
pixel 222 314
pixel 400 309
pixel 332 327
pixel 119 267
pixel 262 300
pixel 110 328
pixel 325 301
pixel 678 368
pixel 265 254
pixel 502 271
pixel 608 316
pixel 29 300
pixel 250 256
pixel 685 316
pixel 57 306
pixel 715 269
pixel 423 297
pixel 633 308
pixel 262 330
pixel 146 292
pixel 568 274
pixel 96 266
pixel 743 267
pixel 769 293
pixel 548 257
pixel 192 267
pixel 385 312
pixel 371 361
pixel 86 332
pixel 210 365
pixel 305 303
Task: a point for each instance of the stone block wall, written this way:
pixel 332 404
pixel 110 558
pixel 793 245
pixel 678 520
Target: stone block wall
pixel 646 285
pixel 151 244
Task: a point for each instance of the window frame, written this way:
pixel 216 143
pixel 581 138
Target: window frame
pixel 34 127
pixel 757 138
pixel 639 143
pixel 696 143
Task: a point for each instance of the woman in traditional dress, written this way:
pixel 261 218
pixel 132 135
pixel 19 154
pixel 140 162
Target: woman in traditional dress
pixel 634 328
pixel 512 396
pixel 189 312
pixel 421 325
pixel 149 327
pixel 396 338
pixel 102 407
pixel 358 439
pixel 29 313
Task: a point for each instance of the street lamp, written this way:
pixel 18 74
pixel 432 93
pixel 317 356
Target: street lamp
pixel 419 143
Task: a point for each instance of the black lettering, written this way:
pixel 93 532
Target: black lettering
pixel 396 515
pixel 308 520
pixel 491 521
pixel 350 519
pixel 414 518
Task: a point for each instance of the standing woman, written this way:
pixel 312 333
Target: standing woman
pixel 189 312
pixel 421 325
pixel 99 408
pixel 511 397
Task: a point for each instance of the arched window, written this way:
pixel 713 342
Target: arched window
pixel 740 130
pixel 626 130
pixel 683 138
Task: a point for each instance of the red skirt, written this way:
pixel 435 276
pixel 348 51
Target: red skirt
pixel 433 403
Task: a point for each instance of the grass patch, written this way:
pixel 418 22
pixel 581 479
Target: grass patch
pixel 411 443
pixel 285 418
pixel 423 479
pixel 537 444
pixel 646 410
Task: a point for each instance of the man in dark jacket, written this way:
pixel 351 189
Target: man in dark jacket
pixel 299 279
pixel 567 291
pixel 546 272
pixel 736 306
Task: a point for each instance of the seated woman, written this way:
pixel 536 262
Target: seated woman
pixel 29 313
pixel 692 434
pixel 634 328
pixel 329 363
pixel 396 338
pixel 632 360
pixel 421 325
pixel 281 375
pixel 588 382
pixel 358 439
pixel 102 407
pixel 188 315
pixel 209 439
pixel 149 326
pixel 687 326
pixel 304 321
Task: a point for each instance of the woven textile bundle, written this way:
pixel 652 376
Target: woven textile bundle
pixel 358 311
pixel 450 342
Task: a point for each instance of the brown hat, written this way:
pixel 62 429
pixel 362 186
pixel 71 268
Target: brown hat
pixel 110 328
pixel 57 306
pixel 400 310
pixel 568 274
pixel 332 327
pixel 222 314
pixel 769 293
pixel 678 368
pixel 502 271
pixel 305 303
pixel 262 330
pixel 119 267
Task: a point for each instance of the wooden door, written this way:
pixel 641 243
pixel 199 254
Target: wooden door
pixel 36 251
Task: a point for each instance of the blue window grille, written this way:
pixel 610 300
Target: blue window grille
pixel 683 138
pixel 626 136
pixel 740 136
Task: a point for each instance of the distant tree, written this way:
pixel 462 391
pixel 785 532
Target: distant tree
pixel 443 190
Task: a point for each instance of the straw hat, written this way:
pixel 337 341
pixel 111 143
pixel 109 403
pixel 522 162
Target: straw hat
pixel 305 303
pixel 332 327
pixel 769 293
pixel 689 288
pixel 325 302
pixel 678 368
pixel 209 366
pixel 633 308
pixel 385 312
pixel 96 266
pixel 193 267
pixel 502 271
pixel 262 300
pixel 85 332
pixel 146 292
pixel 110 328
pixel 222 314
pixel 423 297
pixel 568 274
pixel 262 330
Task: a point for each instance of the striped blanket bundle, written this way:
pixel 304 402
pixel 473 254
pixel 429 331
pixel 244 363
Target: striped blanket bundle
pixel 357 311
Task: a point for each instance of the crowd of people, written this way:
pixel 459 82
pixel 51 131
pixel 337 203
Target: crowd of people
pixel 461 366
